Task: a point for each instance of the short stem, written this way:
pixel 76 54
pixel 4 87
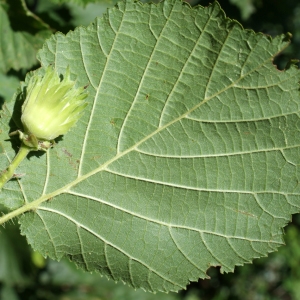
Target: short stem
pixel 9 172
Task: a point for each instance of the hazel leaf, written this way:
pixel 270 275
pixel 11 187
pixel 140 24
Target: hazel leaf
pixel 186 156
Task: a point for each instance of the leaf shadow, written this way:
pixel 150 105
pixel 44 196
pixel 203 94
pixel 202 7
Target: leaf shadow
pixel 2 100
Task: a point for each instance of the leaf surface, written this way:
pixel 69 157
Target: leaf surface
pixel 186 157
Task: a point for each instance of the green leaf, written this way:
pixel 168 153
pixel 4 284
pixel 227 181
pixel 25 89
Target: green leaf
pixel 186 157
pixel 246 7
pixel 85 15
pixel 7 292
pixel 18 48
pixel 8 85
pixel 12 269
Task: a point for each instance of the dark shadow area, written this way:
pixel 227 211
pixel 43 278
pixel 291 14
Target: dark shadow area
pixel 58 17
pixel 20 21
pixel 1 102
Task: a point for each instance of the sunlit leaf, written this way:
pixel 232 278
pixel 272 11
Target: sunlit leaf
pixel 187 156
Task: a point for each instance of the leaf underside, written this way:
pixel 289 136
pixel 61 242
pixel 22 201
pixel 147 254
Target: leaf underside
pixel 186 157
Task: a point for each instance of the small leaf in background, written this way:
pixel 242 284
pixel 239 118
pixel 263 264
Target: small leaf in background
pixel 85 15
pixel 18 48
pixel 66 16
pixel 8 85
pixel 246 7
pixel 13 269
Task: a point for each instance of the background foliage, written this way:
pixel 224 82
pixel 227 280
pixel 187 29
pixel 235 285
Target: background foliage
pixel 25 274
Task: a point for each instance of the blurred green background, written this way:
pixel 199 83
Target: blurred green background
pixel 24 274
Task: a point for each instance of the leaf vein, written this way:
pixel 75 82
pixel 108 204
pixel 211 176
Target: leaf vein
pixel 138 89
pixel 211 252
pixel 225 154
pixel 152 220
pixel 84 145
pixel 47 173
pixel 48 233
pixel 110 244
pixel 107 262
pixel 83 60
pixel 216 62
pixel 81 248
pixel 182 71
pixel 182 252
